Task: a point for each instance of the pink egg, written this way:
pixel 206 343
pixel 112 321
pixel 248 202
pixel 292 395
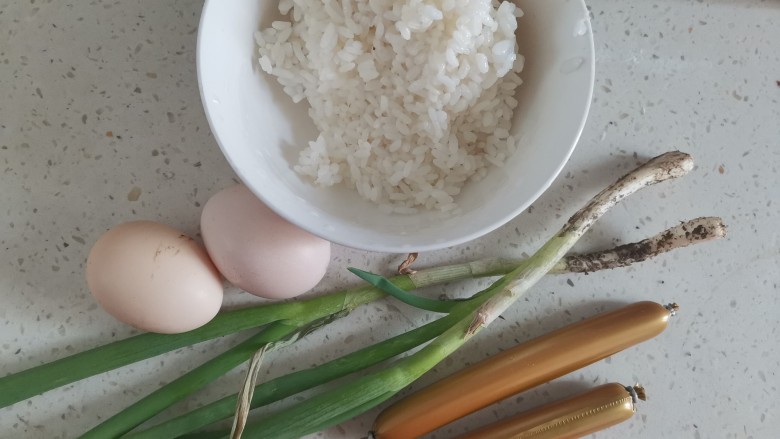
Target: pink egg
pixel 154 278
pixel 257 250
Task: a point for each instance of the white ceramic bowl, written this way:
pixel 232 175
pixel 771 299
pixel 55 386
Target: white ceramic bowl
pixel 260 130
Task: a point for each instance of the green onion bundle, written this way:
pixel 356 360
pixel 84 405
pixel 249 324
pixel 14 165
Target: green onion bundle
pixel 281 324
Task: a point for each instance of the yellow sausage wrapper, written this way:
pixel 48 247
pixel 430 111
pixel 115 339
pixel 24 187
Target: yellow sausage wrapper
pixel 574 417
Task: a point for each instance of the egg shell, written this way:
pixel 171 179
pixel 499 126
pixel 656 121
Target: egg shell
pixel 154 277
pixel 259 251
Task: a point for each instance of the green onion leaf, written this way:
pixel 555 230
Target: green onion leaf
pixel 442 306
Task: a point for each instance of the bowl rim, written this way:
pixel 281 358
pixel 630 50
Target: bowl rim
pixel 432 246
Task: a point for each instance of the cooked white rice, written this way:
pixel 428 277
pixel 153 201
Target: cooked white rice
pixel 413 98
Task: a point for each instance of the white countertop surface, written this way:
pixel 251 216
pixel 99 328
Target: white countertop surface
pixel 101 122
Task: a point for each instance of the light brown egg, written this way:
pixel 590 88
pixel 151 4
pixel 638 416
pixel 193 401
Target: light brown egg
pixel 259 251
pixel 153 277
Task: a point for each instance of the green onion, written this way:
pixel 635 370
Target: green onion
pixel 274 336
pixel 183 386
pixel 34 381
pixel 356 396
pixel 296 382
pixel 443 306
pixel 333 406
pixel 28 383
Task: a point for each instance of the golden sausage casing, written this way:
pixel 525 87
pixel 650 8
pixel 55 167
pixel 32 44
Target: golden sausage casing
pixel 520 368
pixel 570 418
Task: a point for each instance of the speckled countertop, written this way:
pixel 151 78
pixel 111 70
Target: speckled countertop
pixel 100 122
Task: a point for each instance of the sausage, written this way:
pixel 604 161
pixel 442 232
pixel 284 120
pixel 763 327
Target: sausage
pixel 520 368
pixel 574 417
